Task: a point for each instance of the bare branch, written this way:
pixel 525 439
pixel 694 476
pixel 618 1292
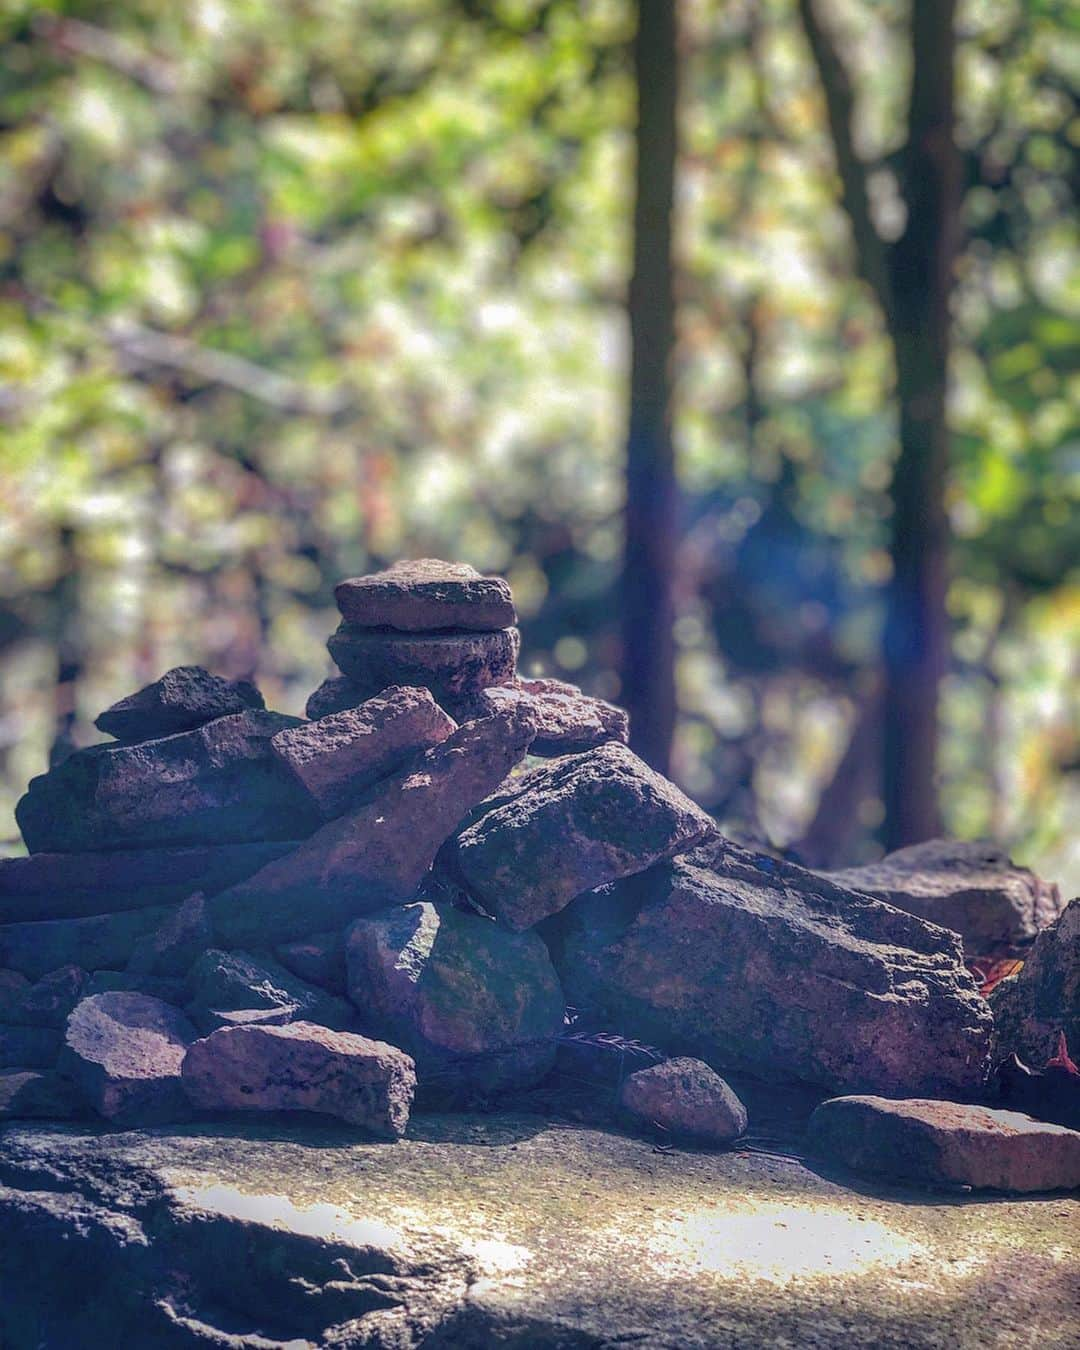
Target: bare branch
pixel 871 251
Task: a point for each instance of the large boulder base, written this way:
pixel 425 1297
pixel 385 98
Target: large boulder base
pixel 73 885
pixel 583 821
pixel 124 1052
pixel 339 756
pixel 229 982
pixel 684 1099
pixel 973 888
pixel 218 784
pixel 758 965
pixel 500 1230
pixel 378 853
pixel 424 594
pixel 945 1143
pixel 183 698
pixel 1042 1001
pixel 568 720
pixel 451 665
pixel 477 1006
pixel 303 1067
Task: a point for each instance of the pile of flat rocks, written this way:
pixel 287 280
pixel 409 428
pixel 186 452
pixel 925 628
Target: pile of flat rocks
pixel 394 901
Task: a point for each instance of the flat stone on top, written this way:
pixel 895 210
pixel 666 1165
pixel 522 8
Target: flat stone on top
pixel 451 665
pixel 425 594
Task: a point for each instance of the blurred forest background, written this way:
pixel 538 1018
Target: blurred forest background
pixel 292 288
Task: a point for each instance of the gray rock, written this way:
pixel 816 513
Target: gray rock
pixel 477 1006
pixel 973 888
pixel 568 720
pixel 426 593
pixel 758 965
pixel 578 823
pixel 28 1047
pixel 451 665
pixel 100 942
pixel 946 1143
pixel 30 1094
pixel 339 756
pixel 332 696
pixel 377 854
pixel 73 885
pixel 124 1052
pixel 319 959
pixel 218 784
pixel 171 947
pixel 303 1067
pixel 685 1099
pixel 228 982
pixel 183 698
pixel 1042 1001
pixel 48 1002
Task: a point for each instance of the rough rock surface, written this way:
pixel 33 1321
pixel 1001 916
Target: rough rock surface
pixel 684 1098
pixel 477 1006
pixel 568 720
pixel 303 1067
pixel 319 959
pixel 426 593
pixel 28 1047
pixel 99 942
pixel 31 1094
pixel 171 947
pixel 124 1053
pixel 218 784
pixel 973 888
pixel 376 854
pixel 580 822
pixel 334 695
pixel 1042 1000
pixel 229 982
pixel 935 1142
pixel 73 885
pixel 48 1002
pixel 500 1230
pixel 169 990
pixel 451 665
pixel 183 698
pixel 754 964
pixel 339 756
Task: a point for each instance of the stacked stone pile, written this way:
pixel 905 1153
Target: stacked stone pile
pixel 226 908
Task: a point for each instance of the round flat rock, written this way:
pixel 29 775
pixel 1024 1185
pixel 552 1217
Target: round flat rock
pixel 451 665
pixel 427 594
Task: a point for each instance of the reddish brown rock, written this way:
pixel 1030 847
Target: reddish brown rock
pixel 99 942
pixel 73 885
pixel 757 965
pixel 124 1053
pixel 478 1007
pixel 1042 1002
pixel 170 947
pixel 945 1143
pixel 451 665
pixel 224 983
pixel 30 1094
pixel 377 854
pixel 48 1002
pixel 303 1067
pixel 338 756
pixel 425 594
pixel 568 721
pixel 582 821
pixel 334 695
pixel 218 784
pixel 684 1098
pixel 319 959
pixel 183 698
pixel 973 888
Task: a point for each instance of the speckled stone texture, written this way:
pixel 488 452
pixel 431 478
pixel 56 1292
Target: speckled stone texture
pixel 426 593
pixel 183 698
pixel 452 665
pixel 946 1143
pixel 568 720
pixel 302 1067
pixel 683 1098
pixel 223 983
pixel 754 964
pixel 582 821
pixel 1042 1001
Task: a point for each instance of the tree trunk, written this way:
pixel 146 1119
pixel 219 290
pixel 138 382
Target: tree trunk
pixel 648 575
pixel 916 637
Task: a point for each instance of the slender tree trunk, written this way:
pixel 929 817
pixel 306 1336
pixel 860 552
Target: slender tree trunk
pixel 916 638
pixel 648 576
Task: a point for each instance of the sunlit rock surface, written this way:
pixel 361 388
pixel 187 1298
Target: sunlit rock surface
pixel 501 1230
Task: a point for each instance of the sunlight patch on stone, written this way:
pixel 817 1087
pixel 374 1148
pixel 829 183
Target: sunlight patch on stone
pixel 323 1221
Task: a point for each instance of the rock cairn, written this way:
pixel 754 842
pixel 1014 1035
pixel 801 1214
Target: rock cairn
pixel 226 908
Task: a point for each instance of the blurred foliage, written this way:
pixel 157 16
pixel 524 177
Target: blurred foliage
pixel 290 289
